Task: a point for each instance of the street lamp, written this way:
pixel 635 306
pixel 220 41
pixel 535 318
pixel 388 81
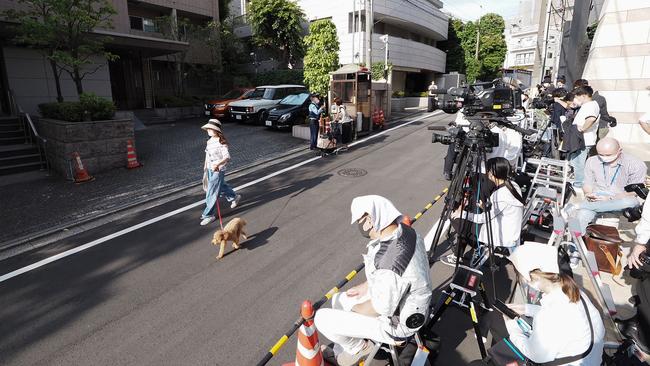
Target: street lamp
pixel 384 39
pixel 254 56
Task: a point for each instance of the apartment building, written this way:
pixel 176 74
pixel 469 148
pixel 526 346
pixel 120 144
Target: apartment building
pixel 414 27
pixel 143 71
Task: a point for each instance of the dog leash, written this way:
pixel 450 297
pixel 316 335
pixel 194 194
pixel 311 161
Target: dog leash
pixel 219 213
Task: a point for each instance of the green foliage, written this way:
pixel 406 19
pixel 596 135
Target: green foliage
pixel 399 94
pixel 591 30
pixel 492 47
pixel 452 46
pixel 276 77
pixel 89 107
pixel 377 70
pixel 277 24
pixel 322 56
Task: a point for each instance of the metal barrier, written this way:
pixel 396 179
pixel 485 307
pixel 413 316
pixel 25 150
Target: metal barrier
pixel 280 343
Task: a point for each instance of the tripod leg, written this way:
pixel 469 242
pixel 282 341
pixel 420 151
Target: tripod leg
pixel 443 306
pixel 477 330
pixel 486 299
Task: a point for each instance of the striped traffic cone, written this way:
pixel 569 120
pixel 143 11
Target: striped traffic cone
pixel 80 173
pixel 131 157
pixel 407 220
pixel 308 352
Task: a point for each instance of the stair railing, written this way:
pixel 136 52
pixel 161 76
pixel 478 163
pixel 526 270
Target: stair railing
pixel 41 142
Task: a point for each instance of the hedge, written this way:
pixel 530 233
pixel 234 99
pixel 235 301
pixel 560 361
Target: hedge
pixel 89 107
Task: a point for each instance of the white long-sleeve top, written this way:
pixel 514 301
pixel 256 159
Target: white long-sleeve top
pixel 506 213
pixel 215 153
pixel 560 329
pixel 643 227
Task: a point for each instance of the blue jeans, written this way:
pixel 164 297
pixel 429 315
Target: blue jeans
pixel 313 132
pixel 577 160
pixel 586 211
pixel 217 187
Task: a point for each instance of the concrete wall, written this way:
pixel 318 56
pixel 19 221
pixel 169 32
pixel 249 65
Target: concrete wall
pixel 31 81
pixel 619 64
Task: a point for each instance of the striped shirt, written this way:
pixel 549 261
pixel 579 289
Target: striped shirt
pixel 215 153
pixel 614 177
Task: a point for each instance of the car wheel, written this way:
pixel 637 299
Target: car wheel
pixel 261 117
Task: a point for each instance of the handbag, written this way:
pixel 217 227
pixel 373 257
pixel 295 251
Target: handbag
pixel 204 181
pixel 605 243
pixel 504 353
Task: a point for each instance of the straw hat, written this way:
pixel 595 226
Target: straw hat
pixel 531 256
pixel 213 124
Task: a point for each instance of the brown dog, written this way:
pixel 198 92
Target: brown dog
pixel 231 232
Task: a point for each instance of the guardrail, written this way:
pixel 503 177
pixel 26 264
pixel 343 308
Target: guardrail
pixel 280 343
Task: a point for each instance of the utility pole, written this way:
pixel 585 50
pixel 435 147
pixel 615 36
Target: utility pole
pixel 478 34
pixel 368 35
pixel 545 49
pixel 354 27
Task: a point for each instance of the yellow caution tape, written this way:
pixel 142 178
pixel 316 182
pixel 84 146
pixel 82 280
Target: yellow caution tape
pixel 278 345
pixel 331 292
pixel 351 275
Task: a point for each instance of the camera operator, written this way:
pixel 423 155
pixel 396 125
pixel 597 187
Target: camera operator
pixel 565 324
pixel 393 304
pixel 586 120
pixel 558 109
pixel 637 328
pixel 560 83
pixel 606 120
pixel 606 176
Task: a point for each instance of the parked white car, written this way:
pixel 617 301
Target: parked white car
pixel 256 107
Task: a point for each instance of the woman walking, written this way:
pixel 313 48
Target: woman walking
pixel 214 180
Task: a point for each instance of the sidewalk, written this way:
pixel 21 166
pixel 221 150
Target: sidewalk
pixel 172 155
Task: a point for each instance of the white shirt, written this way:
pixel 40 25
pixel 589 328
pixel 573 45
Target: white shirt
pixel 506 213
pixel 589 109
pixel 560 329
pixel 643 227
pixel 215 153
pixel 510 143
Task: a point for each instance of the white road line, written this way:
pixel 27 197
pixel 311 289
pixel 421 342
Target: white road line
pixel 154 220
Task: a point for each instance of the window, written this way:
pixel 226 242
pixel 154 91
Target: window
pixel 524 58
pixel 550 55
pixel 353 20
pixel 142 24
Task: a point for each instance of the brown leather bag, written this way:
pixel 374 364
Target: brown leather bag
pixel 605 243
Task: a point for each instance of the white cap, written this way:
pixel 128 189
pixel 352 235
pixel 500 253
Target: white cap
pixel 381 211
pixel 532 256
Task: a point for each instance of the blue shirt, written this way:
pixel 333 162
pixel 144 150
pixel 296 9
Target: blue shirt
pixel 314 111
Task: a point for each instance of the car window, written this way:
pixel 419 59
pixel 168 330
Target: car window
pixel 281 93
pixel 295 99
pixel 269 93
pixel 259 93
pixel 247 94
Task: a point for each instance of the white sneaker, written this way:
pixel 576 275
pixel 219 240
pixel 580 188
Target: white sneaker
pixel 235 202
pixel 207 220
pixel 449 260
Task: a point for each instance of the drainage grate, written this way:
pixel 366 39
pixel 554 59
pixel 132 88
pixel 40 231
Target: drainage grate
pixel 352 172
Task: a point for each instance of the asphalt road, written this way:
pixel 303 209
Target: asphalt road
pixel 158 296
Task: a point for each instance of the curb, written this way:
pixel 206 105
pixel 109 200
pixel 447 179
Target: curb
pixel 40 239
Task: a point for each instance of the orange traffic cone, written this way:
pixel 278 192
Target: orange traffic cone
pixel 308 352
pixel 407 220
pixel 80 173
pixel 131 157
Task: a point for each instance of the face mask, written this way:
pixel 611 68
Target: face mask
pixel 608 159
pixel 364 233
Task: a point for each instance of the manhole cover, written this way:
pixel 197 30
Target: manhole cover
pixel 352 172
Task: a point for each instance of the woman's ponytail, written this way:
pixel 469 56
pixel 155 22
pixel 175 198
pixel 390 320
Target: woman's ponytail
pixel 570 287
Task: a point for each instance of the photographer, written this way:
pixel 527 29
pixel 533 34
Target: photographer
pixel 606 176
pixel 397 292
pixel 606 120
pixel 566 327
pixel 558 109
pixel 637 328
pixel 586 120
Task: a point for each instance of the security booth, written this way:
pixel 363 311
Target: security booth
pixel 352 84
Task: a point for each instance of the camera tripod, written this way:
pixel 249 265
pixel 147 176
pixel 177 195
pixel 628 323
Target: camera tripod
pixel 468 184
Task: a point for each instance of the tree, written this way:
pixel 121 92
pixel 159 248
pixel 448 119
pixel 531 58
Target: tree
pixel 493 48
pixel 452 46
pixel 75 20
pixel 277 24
pixel 224 10
pixel 37 29
pixel 322 56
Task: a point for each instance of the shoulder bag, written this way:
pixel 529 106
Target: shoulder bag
pixel 605 243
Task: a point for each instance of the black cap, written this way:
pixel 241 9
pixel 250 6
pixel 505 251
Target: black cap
pixel 547 79
pixel 561 78
pixel 314 94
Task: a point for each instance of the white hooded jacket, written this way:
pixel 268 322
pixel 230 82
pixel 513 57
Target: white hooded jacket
pixel 394 264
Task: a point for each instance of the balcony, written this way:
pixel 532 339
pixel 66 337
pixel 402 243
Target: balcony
pixel 422 18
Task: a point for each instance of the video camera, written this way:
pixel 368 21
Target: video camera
pixel 634 213
pixel 497 96
pixel 544 101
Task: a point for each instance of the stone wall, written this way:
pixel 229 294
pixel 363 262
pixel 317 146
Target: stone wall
pixel 619 64
pixel 101 144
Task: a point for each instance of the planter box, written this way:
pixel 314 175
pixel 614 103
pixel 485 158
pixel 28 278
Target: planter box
pixel 301 132
pixel 400 104
pixel 101 144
